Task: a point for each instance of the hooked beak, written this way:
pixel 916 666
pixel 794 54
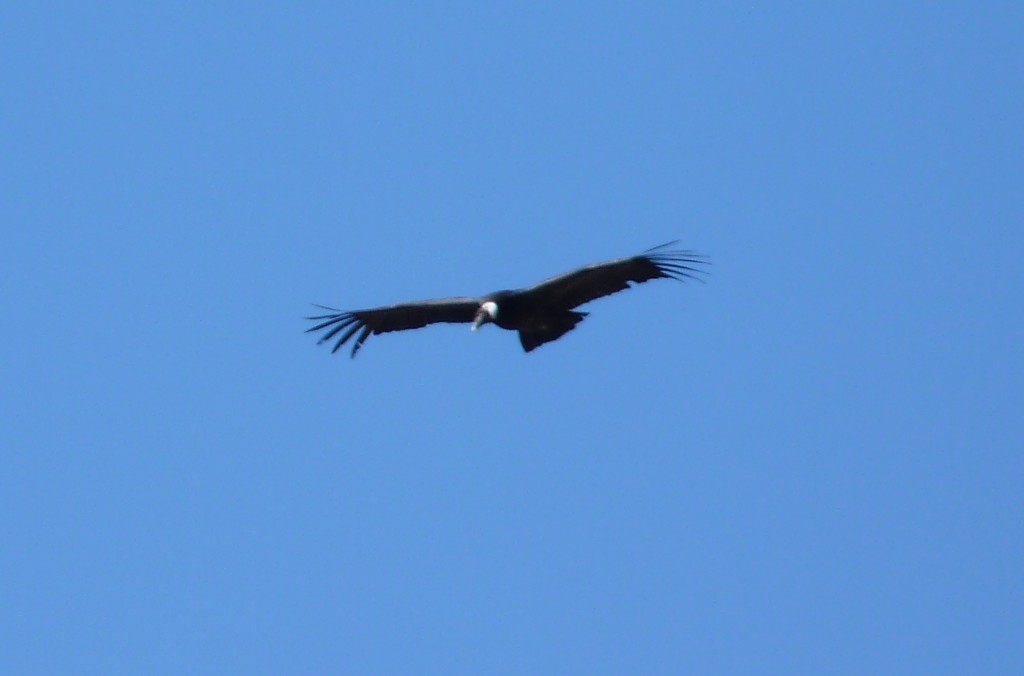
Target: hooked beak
pixel 479 320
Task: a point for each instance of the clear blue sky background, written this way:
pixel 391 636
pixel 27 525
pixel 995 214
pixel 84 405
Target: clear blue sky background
pixel 813 463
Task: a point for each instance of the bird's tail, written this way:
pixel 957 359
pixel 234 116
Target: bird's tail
pixel 548 328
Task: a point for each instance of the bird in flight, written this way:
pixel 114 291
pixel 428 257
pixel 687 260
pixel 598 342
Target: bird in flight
pixel 541 313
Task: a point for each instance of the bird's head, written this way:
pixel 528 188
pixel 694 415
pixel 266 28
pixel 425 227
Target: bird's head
pixel 487 313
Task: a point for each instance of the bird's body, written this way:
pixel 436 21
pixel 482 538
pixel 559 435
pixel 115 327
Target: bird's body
pixel 536 321
pixel 541 313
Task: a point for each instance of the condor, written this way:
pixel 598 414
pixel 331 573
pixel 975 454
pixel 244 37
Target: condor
pixel 540 313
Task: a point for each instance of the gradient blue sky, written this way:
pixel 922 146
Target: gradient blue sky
pixel 813 463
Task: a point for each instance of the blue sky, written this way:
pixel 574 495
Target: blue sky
pixel 811 464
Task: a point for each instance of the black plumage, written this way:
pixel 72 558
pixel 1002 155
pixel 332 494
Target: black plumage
pixel 541 313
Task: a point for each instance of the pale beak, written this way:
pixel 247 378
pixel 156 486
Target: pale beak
pixel 478 321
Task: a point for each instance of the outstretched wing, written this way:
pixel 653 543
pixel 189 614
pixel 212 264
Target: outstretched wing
pixel 603 279
pixel 394 318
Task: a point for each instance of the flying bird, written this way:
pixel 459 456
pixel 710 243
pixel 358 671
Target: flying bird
pixel 540 313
